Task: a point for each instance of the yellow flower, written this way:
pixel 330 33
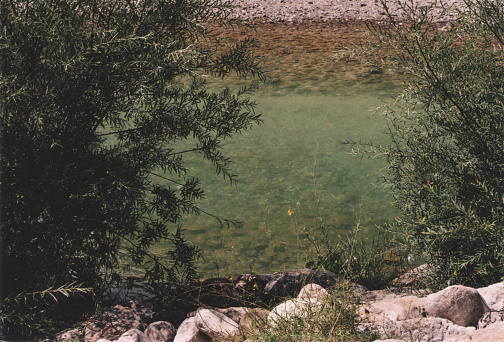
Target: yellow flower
pixel 290 212
pixel 455 273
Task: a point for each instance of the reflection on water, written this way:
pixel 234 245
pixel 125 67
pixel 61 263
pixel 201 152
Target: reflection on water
pixel 294 174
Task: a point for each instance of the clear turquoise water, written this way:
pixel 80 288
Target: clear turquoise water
pixel 294 176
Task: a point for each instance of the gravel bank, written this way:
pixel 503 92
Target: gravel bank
pixel 320 10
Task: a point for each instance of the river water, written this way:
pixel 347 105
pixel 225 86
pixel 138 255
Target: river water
pixel 294 175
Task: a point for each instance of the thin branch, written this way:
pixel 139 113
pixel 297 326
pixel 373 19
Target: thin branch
pixel 119 132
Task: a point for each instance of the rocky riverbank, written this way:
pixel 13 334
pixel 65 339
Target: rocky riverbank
pixel 455 314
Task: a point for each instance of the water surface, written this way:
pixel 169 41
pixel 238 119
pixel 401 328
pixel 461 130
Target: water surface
pixel 294 174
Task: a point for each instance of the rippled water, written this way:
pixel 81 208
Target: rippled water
pixel 294 173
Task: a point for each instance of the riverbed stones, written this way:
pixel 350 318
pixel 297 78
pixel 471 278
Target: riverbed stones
pixel 112 322
pixel 321 10
pixel 314 291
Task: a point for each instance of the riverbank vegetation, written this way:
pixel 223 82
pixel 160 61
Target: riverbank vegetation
pixel 446 154
pixel 98 95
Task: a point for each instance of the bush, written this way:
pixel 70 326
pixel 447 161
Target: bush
pixel 446 152
pixel 100 101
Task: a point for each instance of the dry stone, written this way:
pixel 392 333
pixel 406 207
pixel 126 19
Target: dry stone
pixel 460 304
pixel 313 291
pixel 493 296
pixel 235 313
pixel 392 308
pixel 290 283
pixel 188 332
pixel 430 329
pixel 215 324
pixel 297 307
pixel 254 319
pixel 491 333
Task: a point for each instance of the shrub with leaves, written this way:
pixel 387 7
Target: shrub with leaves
pixel 446 155
pixel 101 100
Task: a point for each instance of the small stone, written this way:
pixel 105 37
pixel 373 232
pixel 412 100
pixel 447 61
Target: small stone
pixel 133 335
pixel 161 332
pixel 313 291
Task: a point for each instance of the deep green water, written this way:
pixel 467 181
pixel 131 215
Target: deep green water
pixel 294 175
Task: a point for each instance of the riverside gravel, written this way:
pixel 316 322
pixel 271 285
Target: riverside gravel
pixel 326 10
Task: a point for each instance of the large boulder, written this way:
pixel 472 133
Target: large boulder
pixel 313 291
pixel 491 333
pixel 310 299
pixel 460 304
pixel 112 322
pixel 392 308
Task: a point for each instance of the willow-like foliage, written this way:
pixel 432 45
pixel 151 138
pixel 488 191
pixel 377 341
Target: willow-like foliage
pixel 102 99
pixel 446 156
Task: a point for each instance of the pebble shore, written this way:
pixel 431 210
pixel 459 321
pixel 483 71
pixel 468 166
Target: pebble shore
pixel 323 10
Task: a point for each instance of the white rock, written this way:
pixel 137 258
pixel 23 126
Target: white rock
pixel 492 333
pixel 430 329
pixel 313 291
pixel 297 307
pixel 189 332
pixel 215 324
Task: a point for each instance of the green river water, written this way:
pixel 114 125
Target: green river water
pixel 294 175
